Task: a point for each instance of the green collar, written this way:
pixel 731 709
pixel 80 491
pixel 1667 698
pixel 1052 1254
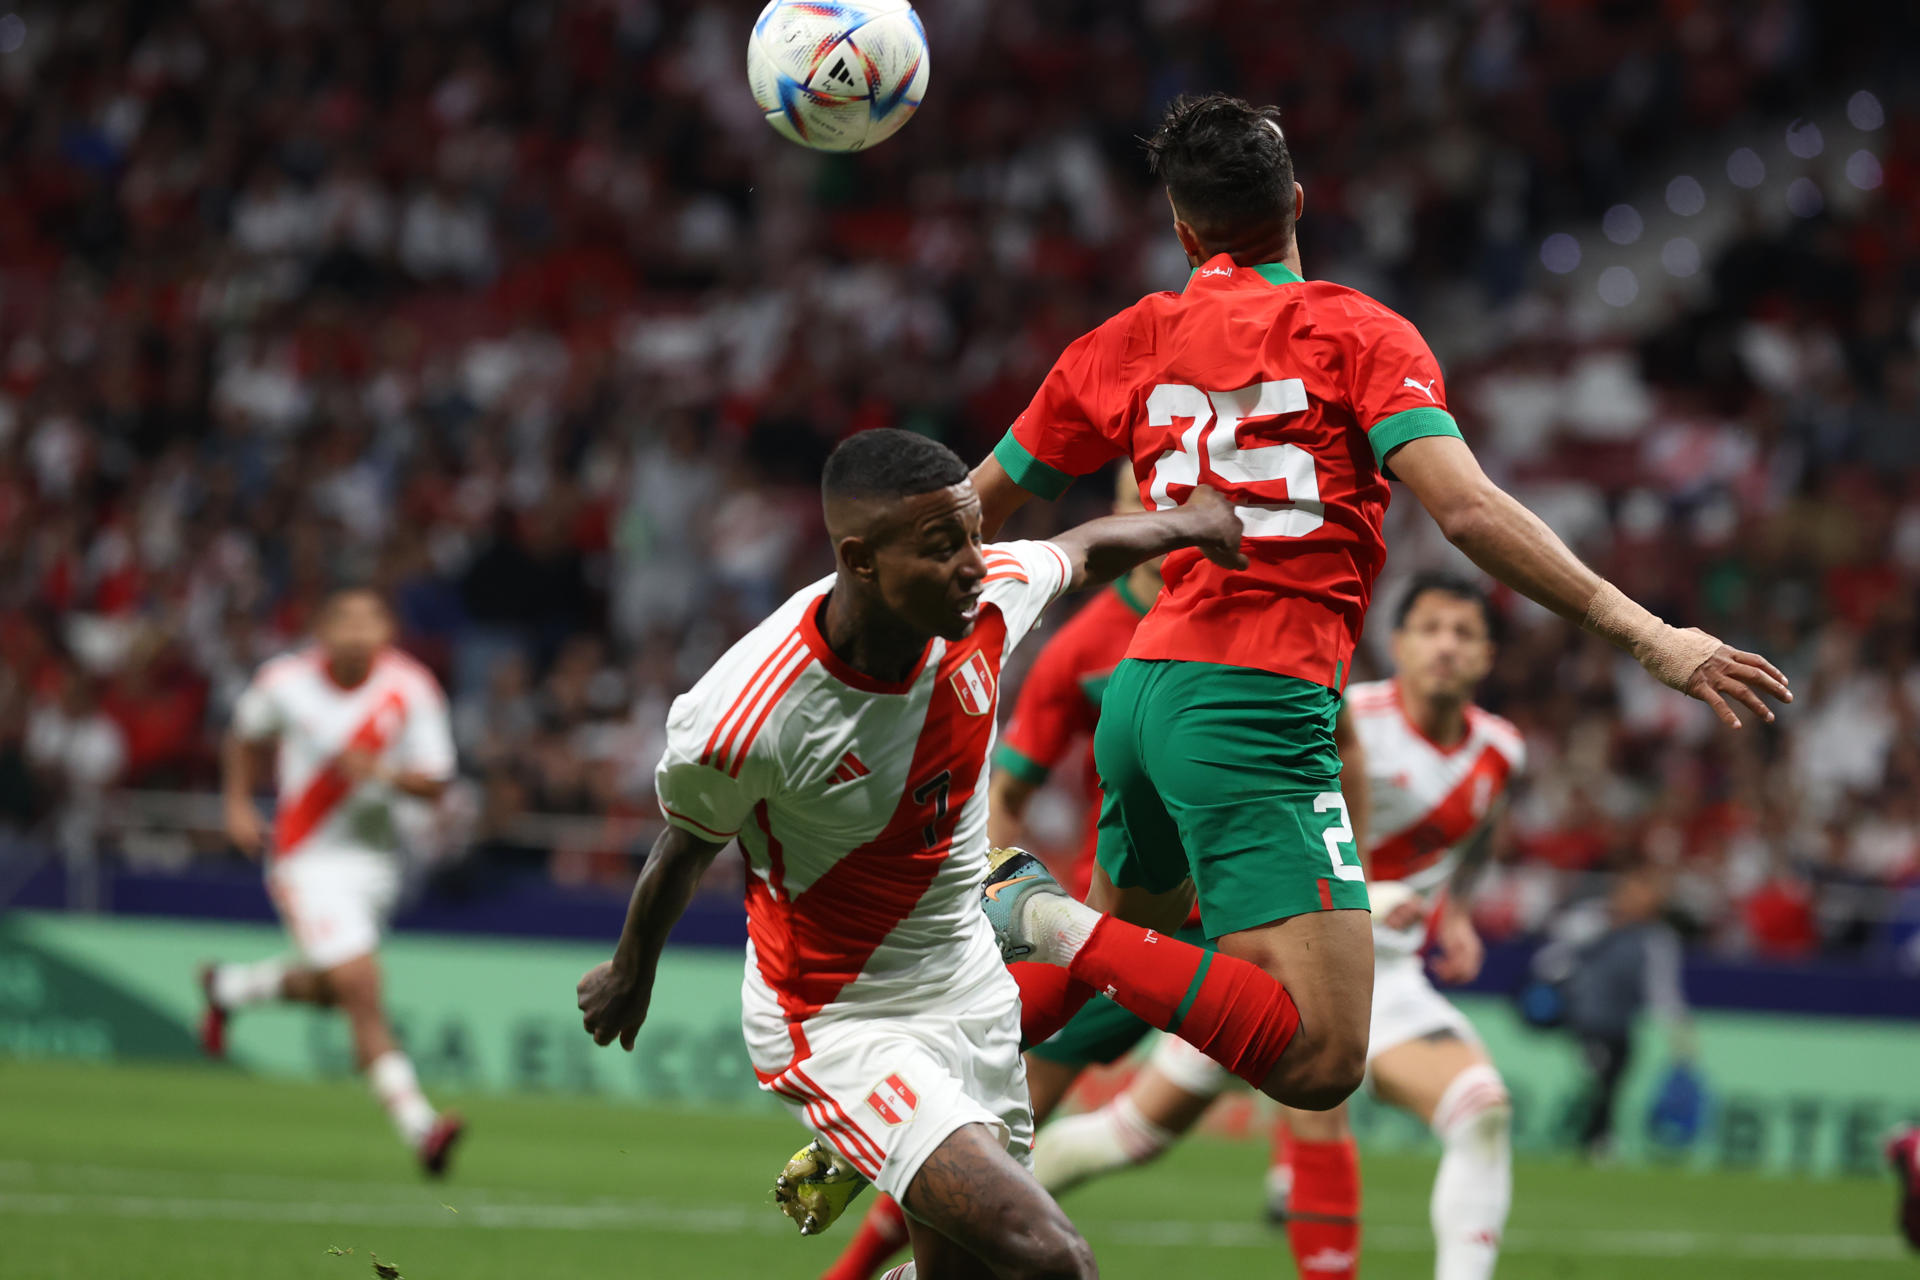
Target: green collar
pixel 1274 273
pixel 1132 601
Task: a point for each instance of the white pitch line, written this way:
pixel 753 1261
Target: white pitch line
pixel 708 1221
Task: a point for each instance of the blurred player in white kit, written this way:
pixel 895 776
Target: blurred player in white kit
pixel 359 729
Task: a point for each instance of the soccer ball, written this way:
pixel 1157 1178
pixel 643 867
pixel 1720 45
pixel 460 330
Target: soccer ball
pixel 837 75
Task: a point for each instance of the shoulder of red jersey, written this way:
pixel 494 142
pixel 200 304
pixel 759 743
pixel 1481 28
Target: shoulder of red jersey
pixel 1501 733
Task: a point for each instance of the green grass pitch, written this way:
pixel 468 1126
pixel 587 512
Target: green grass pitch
pixel 205 1174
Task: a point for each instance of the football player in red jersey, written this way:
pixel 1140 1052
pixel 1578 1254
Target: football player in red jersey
pixel 1293 397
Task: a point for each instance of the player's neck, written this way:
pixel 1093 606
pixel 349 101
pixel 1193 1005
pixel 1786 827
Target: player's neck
pixel 348 675
pixel 1258 251
pixel 1442 720
pixel 867 639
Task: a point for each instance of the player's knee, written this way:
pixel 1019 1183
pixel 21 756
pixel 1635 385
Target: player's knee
pixel 355 986
pixel 1326 1077
pixel 1058 1252
pixel 1475 1107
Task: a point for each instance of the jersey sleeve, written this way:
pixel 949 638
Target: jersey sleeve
pixel 1050 714
pixel 258 713
pixel 427 745
pixel 694 795
pixel 1398 392
pixel 1066 430
pixel 1023 578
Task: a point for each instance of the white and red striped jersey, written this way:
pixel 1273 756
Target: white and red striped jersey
pixel 398 712
pixel 1426 798
pixel 859 805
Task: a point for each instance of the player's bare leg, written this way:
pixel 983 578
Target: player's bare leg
pixel 1450 1085
pixel 354 987
pixel 229 988
pixel 1325 961
pixel 975 1214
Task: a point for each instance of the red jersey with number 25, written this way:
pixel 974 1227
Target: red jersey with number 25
pixel 1286 395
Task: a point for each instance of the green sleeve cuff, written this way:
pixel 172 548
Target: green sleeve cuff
pixel 1390 433
pixel 1031 474
pixel 1005 757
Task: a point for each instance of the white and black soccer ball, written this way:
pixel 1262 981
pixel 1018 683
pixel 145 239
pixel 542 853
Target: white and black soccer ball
pixel 837 75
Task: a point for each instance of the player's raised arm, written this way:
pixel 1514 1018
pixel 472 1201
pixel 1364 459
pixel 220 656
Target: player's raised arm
pixel 1101 550
pixel 1516 546
pixel 613 996
pixel 1000 497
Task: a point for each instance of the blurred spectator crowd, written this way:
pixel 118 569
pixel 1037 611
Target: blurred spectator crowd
pixel 520 310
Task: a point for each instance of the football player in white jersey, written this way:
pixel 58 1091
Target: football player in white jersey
pixel 359 728
pixel 843 743
pixel 1437 769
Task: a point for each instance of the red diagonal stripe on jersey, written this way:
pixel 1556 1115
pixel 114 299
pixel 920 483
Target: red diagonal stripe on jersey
pixel 745 697
pixel 793 647
pixel 813 944
pixel 293 823
pixel 1448 823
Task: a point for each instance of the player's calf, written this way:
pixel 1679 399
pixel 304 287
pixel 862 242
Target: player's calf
pixel 972 1203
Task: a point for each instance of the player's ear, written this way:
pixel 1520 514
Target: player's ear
pixel 1183 231
pixel 856 557
pixel 1299 202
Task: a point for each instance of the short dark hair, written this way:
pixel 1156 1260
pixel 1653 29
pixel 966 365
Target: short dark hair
pixel 1447 584
pixel 1226 165
pixel 887 462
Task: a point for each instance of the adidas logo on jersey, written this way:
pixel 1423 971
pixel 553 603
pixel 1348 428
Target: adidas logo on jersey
pixel 848 770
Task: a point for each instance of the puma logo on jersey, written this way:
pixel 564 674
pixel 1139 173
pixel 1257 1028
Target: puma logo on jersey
pixel 1425 389
pixel 848 770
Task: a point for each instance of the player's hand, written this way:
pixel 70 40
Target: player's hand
pixel 1216 527
pixel 1406 914
pixel 1458 951
pixel 1734 673
pixel 612 1004
pixel 357 765
pixel 244 828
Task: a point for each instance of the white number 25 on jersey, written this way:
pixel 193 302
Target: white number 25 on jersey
pixel 1214 418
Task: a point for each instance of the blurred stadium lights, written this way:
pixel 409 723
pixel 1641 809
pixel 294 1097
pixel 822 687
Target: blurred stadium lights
pixel 1680 256
pixel 1560 253
pixel 1685 196
pixel 1863 169
pixel 1804 139
pixel 1745 169
pixel 1804 198
pixel 1618 286
pixel 1864 112
pixel 1622 224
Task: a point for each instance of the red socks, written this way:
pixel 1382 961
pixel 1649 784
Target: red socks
pixel 1049 997
pixel 882 1234
pixel 1230 1010
pixel 1323 1214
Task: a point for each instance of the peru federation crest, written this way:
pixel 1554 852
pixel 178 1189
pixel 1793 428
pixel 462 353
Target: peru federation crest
pixel 893 1099
pixel 973 685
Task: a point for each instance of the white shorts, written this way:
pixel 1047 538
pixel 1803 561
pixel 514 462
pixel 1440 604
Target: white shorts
pixel 887 1091
pixel 1406 1006
pixel 335 902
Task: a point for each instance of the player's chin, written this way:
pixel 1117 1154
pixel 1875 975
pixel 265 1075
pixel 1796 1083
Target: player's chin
pixel 957 623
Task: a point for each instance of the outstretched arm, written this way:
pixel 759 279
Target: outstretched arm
pixel 614 994
pixel 1101 550
pixel 1515 546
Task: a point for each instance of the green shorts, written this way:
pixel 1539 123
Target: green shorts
pixel 1228 775
pixel 1102 1031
